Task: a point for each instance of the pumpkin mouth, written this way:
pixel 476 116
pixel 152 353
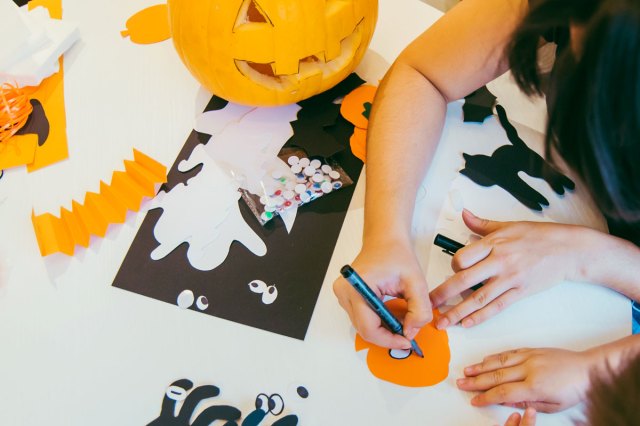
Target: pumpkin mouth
pixel 314 66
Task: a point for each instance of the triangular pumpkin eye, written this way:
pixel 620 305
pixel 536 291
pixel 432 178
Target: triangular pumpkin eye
pixel 251 12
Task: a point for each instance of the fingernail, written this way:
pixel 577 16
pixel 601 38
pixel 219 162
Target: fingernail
pixel 411 333
pixel 443 322
pixel 469 212
pixel 461 382
pixel 467 322
pixel 468 370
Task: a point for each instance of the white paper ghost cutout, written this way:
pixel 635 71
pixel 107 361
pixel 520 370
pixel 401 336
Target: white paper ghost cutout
pixel 204 212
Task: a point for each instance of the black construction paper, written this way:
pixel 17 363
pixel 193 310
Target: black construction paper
pixel 312 129
pixel 37 123
pixel 295 263
pixel 502 168
pixel 478 105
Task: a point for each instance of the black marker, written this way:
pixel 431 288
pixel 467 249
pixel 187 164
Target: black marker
pixel 450 247
pixel 376 304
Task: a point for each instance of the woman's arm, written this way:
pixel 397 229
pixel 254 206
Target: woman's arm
pixel 461 52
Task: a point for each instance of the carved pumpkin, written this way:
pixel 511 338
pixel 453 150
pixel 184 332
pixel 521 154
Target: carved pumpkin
pixel 271 52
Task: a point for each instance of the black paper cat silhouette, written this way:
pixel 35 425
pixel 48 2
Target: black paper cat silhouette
pixel 502 168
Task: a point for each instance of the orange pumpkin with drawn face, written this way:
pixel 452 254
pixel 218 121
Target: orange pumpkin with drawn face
pixel 271 52
pixel 404 367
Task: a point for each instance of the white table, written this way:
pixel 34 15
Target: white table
pixel 76 351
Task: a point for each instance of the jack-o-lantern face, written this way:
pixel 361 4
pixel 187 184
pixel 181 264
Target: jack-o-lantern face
pixel 271 52
pixel 403 367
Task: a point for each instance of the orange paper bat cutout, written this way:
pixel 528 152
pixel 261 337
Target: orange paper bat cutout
pixel 148 26
pixel 110 205
pixel 408 369
pixel 355 108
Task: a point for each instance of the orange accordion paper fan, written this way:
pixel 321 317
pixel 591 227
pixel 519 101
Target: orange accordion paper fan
pixel 110 205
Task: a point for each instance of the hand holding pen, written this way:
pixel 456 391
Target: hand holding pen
pixel 376 304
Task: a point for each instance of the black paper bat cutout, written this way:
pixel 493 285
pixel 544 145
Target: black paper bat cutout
pixel 317 116
pixel 208 416
pixel 478 105
pixel 265 404
pixel 502 168
pixel 36 123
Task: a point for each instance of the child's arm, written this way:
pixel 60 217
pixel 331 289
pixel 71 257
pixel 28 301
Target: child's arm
pixel 461 52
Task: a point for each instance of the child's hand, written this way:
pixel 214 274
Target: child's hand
pixel 514 260
pixel 528 419
pixel 548 380
pixel 390 268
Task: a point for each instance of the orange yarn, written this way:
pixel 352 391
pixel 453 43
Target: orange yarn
pixel 15 109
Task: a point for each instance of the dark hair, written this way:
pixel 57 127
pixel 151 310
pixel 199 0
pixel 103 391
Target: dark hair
pixel 594 103
pixel 612 399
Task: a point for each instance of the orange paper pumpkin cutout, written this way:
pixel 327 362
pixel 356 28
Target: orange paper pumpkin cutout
pixel 403 367
pixel 150 25
pixel 355 108
pixel 271 52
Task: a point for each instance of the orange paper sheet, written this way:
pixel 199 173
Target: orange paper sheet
pixel 110 205
pixel 355 108
pixel 50 93
pixel 18 151
pixel 150 25
pixel 411 371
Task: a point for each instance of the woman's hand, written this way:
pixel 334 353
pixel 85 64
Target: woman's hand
pixel 514 260
pixel 548 380
pixel 390 268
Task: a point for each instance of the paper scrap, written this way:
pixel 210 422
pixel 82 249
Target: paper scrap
pixel 148 26
pixel 356 108
pixel 110 205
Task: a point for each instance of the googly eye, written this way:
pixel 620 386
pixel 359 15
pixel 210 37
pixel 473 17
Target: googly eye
pixel 270 295
pixel 276 404
pixel 399 353
pixel 185 299
pixel 202 303
pixel 262 402
pixel 257 286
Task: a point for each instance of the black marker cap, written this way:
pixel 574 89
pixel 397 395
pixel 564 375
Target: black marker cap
pixel 346 271
pixel 449 245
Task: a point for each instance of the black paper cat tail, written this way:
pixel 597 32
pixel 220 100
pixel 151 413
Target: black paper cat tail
pixel 511 131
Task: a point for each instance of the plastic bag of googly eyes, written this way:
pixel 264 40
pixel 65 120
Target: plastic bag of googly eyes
pixel 294 181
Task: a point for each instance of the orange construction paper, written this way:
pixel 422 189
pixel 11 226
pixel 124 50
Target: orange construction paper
pixel 411 371
pixel 50 93
pixel 110 205
pixel 355 108
pixel 18 151
pixel 150 25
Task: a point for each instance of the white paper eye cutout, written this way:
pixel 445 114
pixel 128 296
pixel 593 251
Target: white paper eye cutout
pixel 399 353
pixel 202 303
pixel 270 295
pixel 185 299
pixel 257 286
pixel 176 393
